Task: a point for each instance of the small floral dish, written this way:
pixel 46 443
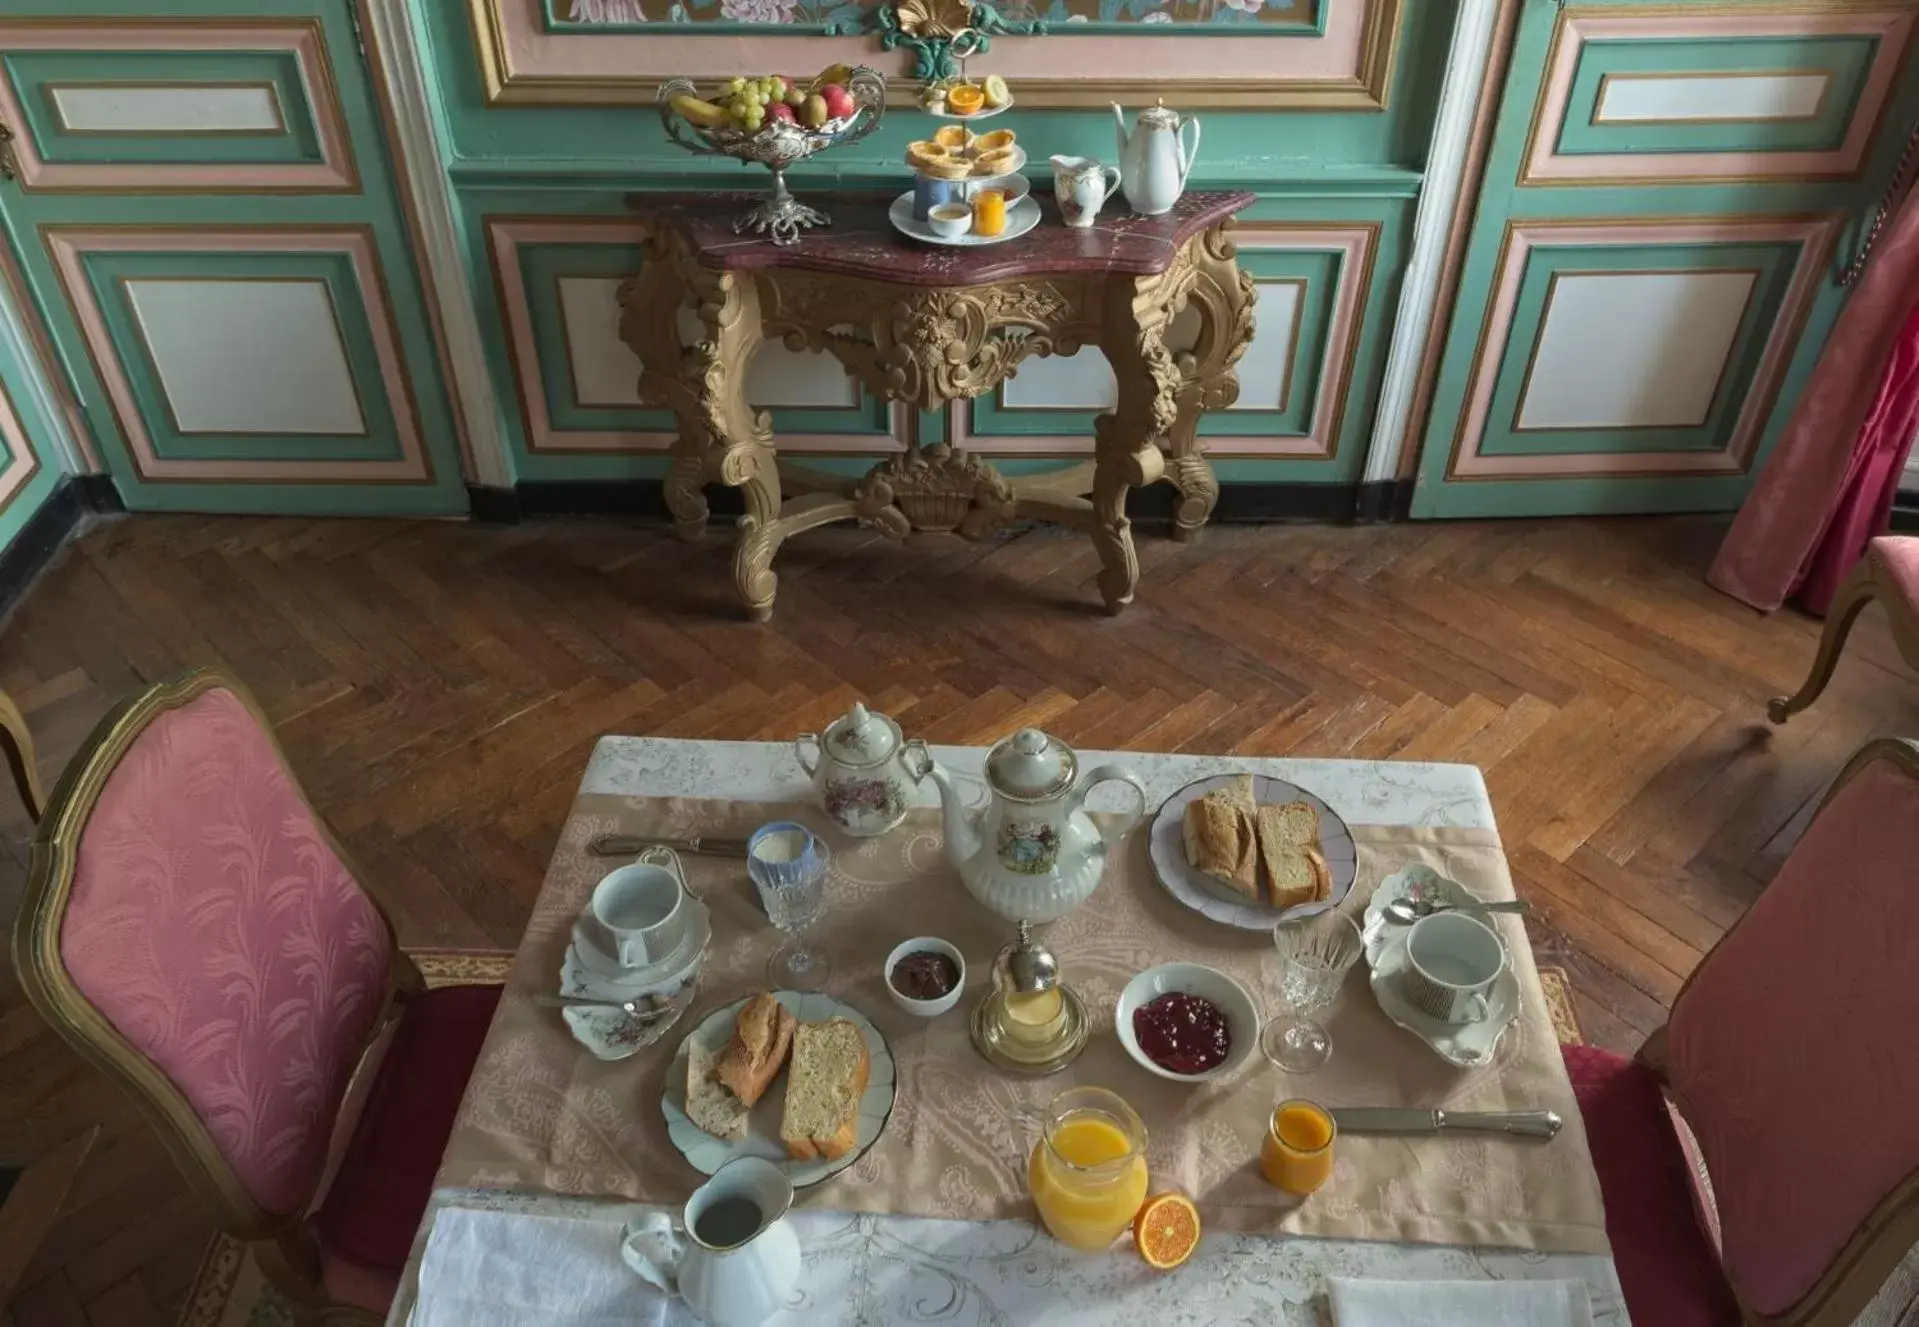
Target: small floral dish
pixel 925 1008
pixel 1209 984
pixel 610 1033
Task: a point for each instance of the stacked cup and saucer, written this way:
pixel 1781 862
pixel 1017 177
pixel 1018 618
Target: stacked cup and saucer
pixel 1447 978
pixel 640 941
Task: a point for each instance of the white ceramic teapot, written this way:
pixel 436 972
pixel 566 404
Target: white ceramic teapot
pixel 856 770
pixel 732 1257
pixel 1031 853
pixel 1154 159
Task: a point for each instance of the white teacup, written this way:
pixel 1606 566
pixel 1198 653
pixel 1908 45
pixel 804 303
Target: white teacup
pixel 1081 187
pixel 641 911
pixel 1452 961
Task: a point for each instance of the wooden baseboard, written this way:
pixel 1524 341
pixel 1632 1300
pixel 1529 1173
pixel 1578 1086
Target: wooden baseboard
pixel 40 539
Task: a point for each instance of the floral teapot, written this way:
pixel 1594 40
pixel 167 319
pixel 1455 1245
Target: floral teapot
pixel 856 769
pixel 1031 853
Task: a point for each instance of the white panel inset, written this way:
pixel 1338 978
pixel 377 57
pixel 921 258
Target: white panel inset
pixel 1714 97
pixel 1633 350
pixel 248 356
pixel 606 372
pixel 1063 382
pixel 210 108
pixel 1265 371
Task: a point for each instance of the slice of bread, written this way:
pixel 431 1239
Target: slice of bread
pixel 762 1035
pixel 709 1103
pixel 823 1090
pixel 1220 838
pixel 1290 867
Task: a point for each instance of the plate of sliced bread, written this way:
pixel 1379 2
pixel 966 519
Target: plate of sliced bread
pixel 794 1077
pixel 1247 850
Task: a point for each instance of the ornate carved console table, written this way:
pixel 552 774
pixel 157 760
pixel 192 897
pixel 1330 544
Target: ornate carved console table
pixel 927 326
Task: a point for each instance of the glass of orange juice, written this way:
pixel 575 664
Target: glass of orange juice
pixel 1297 1154
pixel 1088 1170
pixel 989 211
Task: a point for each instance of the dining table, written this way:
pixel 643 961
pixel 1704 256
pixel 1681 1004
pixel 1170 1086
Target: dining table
pixel 561 1147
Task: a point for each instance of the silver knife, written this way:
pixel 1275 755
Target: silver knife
pixel 1395 1119
pixel 626 845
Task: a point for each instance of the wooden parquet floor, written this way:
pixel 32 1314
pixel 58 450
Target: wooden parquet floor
pixel 438 687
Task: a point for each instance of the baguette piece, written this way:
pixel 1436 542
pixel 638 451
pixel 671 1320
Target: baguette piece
pixel 1220 837
pixel 762 1035
pixel 1291 869
pixel 709 1103
pixel 823 1090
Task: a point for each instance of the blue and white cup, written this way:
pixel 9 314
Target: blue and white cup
pixel 929 193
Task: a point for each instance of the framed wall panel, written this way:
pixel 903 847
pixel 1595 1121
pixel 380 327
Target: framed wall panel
pixel 173 105
pixel 1661 94
pixel 1296 378
pixel 245 354
pixel 556 280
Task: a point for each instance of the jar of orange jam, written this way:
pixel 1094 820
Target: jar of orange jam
pixel 989 211
pixel 1297 1154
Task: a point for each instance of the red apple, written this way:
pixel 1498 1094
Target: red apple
pixel 839 104
pixel 779 110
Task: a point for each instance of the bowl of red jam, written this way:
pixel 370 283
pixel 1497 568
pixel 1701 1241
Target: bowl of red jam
pixel 1187 1022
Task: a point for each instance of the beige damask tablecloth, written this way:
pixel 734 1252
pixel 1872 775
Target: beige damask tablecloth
pixel 541 1113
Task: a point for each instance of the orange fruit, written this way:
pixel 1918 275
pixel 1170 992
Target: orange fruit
pixel 964 99
pixel 1166 1231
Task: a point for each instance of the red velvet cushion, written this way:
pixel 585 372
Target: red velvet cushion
pixel 366 1225
pixel 1666 1266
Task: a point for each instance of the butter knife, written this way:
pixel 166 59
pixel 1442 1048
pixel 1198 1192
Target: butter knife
pixel 1395 1119
pixel 627 845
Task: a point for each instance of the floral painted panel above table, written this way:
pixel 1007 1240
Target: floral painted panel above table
pixel 1288 17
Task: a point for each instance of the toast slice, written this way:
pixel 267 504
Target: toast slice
pixel 710 1104
pixel 823 1090
pixel 1220 837
pixel 1291 869
pixel 762 1035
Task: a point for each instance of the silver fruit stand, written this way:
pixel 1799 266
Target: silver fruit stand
pixel 777 145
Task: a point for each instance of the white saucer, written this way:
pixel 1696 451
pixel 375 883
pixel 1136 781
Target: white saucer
pixel 1464 1045
pixel 607 970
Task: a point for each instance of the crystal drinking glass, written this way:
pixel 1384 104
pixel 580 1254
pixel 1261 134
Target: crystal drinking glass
pixel 788 865
pixel 1315 954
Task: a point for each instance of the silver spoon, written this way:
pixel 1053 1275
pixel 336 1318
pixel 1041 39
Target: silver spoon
pixel 1406 911
pixel 631 1008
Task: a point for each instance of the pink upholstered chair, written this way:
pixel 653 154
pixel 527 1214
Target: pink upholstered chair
pixel 1792 1057
pixel 1889 573
pixel 192 928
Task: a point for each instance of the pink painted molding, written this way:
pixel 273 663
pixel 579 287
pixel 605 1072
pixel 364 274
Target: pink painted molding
pixel 505 236
pixel 527 51
pixel 1892 25
pixel 69 244
pixel 20 463
pixel 1814 235
pixel 334 173
pixel 1356 247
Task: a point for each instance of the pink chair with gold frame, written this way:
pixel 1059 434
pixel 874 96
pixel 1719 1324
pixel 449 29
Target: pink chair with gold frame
pixel 1889 573
pixel 192 927
pixel 1792 1059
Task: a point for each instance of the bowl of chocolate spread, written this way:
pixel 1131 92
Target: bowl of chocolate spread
pixel 925 976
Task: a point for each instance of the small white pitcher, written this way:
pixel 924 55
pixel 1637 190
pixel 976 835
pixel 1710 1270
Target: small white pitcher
pixel 1081 187
pixel 731 1256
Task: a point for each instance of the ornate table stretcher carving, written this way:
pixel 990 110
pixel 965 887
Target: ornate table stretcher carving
pixel 923 327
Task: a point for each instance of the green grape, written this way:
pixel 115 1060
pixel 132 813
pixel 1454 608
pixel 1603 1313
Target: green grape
pixel 735 84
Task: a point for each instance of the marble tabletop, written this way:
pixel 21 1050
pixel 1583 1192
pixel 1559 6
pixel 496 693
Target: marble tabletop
pixel 861 242
pixel 893 1269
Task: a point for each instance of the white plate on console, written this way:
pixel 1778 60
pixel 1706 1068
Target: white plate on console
pixel 1022 215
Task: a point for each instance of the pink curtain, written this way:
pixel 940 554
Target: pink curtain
pixel 1829 484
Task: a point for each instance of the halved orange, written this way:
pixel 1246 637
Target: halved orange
pixel 1166 1231
pixel 964 99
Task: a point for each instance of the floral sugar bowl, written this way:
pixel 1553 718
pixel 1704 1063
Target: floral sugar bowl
pixel 856 769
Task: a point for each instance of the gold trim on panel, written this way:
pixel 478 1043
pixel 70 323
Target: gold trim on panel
pixel 1607 80
pixel 1545 312
pixel 166 400
pixel 1368 89
pixel 272 90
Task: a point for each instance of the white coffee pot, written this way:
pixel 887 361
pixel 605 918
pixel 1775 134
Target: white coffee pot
pixel 1154 158
pixel 732 1257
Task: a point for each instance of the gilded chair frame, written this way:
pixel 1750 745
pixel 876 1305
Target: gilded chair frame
pixel 1891 1230
pixel 1863 584
pixel 281 1246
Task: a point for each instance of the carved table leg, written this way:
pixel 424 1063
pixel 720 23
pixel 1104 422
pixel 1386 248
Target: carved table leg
pixel 1126 451
pixel 1224 296
pixel 649 322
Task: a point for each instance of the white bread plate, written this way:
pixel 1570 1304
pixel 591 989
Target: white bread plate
pixel 1221 902
pixel 706 1154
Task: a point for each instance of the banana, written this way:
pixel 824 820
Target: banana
pixel 832 74
pixel 703 113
